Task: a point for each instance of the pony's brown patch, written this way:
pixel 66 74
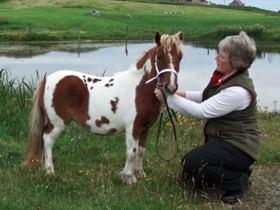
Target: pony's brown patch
pixel 96 80
pixel 102 121
pixel 114 104
pixel 112 131
pixel 71 100
pixel 48 128
pixel 147 108
pixel 110 83
pixel 177 57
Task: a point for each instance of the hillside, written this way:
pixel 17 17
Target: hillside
pixel 31 20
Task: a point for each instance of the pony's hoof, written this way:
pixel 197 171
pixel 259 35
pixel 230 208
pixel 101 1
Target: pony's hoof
pixel 128 178
pixel 49 171
pixel 141 174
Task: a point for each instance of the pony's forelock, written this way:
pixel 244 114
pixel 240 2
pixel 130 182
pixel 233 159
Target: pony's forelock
pixel 167 41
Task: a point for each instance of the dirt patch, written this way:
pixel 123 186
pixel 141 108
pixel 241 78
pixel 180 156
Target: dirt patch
pixel 264 192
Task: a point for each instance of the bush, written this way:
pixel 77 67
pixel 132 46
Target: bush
pixel 224 30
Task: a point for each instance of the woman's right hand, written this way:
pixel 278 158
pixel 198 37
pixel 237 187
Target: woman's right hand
pixel 158 94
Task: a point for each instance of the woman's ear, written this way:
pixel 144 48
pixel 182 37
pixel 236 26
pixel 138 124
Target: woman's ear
pixel 157 37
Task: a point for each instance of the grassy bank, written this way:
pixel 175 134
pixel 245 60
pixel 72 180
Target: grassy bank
pixel 31 20
pixel 87 166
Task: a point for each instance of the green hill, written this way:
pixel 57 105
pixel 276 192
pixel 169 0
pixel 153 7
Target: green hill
pixel 31 20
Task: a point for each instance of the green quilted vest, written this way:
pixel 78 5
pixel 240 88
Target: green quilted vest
pixel 239 128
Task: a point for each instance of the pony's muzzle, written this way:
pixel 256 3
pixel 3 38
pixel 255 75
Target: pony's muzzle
pixel 171 89
pixel 172 86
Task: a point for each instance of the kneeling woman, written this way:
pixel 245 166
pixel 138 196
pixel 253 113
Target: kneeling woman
pixel 232 137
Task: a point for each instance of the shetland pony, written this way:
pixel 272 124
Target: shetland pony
pixel 105 105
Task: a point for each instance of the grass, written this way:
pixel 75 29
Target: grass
pixel 87 166
pixel 30 20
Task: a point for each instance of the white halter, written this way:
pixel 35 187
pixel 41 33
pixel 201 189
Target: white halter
pixel 160 72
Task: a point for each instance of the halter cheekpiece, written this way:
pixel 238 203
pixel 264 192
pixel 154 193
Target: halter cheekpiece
pixel 160 72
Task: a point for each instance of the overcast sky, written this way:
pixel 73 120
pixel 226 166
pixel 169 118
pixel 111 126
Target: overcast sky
pixel 273 5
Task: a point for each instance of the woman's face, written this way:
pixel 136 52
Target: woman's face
pixel 223 64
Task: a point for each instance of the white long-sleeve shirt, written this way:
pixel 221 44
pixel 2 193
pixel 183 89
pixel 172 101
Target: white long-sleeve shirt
pixel 227 100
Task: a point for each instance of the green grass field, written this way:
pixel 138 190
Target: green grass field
pixel 87 166
pixel 31 20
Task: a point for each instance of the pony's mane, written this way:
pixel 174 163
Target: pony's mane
pixel 140 63
pixel 168 40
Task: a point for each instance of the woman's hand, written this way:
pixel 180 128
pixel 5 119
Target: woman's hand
pixel 181 93
pixel 158 94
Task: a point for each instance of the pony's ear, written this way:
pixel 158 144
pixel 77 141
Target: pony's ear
pixel 157 37
pixel 180 35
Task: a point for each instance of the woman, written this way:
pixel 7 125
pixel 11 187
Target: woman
pixel 232 137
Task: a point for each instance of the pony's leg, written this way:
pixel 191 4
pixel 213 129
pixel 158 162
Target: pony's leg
pixel 127 174
pixel 49 140
pixel 140 155
pixel 139 163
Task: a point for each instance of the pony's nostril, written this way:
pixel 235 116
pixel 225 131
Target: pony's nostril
pixel 171 88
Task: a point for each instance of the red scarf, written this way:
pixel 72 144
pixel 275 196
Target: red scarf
pixel 216 78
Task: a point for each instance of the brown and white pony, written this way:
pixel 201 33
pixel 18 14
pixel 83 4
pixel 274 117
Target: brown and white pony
pixel 105 105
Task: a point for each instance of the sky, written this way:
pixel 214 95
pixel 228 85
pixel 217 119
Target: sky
pixel 273 5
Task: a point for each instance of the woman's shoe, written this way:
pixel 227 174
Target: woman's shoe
pixel 231 197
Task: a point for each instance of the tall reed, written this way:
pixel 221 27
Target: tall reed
pixel 15 101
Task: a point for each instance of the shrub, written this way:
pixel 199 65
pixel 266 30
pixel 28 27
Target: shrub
pixel 226 30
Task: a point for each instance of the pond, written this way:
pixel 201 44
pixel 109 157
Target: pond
pixel 196 68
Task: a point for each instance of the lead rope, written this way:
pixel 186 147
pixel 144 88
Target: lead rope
pixel 171 116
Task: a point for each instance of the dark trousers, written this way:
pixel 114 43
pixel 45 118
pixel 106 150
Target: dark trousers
pixel 217 164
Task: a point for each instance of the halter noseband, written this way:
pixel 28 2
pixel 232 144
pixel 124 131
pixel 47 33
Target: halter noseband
pixel 160 72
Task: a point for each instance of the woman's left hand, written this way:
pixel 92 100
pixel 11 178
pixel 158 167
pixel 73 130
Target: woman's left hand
pixel 158 94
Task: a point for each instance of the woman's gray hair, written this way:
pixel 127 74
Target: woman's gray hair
pixel 241 50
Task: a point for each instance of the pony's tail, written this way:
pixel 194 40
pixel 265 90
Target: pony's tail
pixel 37 121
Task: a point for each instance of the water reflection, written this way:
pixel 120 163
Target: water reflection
pixel 32 49
pixel 196 68
pixel 262 49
